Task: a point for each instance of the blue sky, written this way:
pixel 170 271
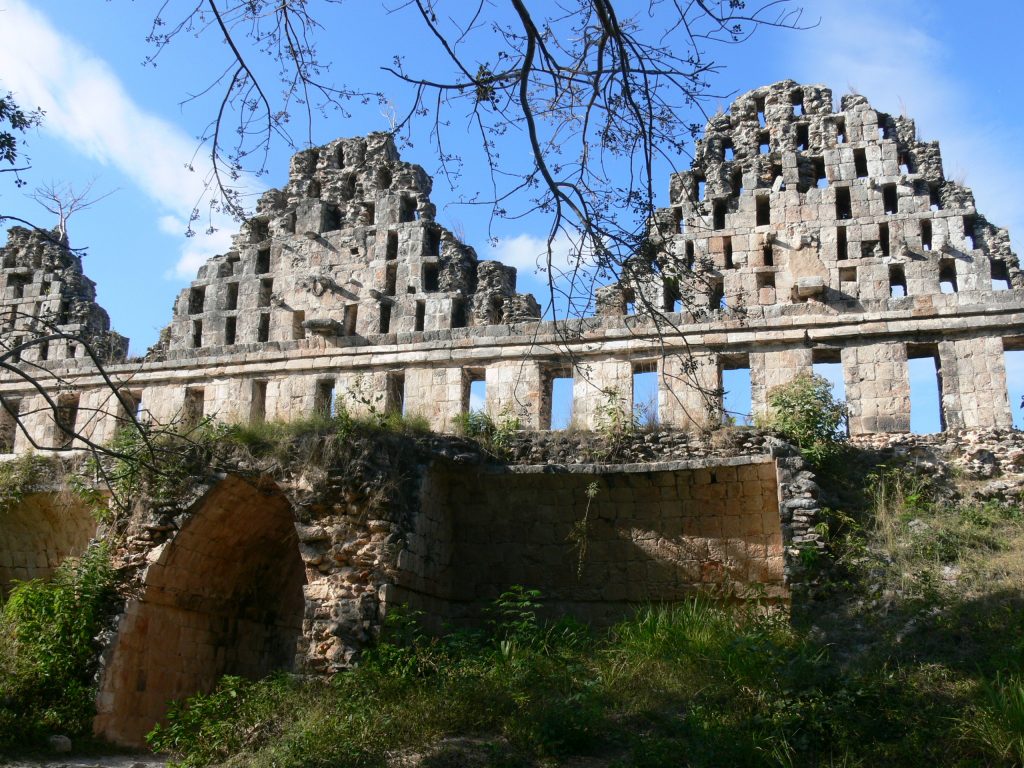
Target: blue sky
pixel 112 119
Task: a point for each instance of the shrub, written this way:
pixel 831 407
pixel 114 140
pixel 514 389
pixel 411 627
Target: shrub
pixel 47 653
pixel 805 412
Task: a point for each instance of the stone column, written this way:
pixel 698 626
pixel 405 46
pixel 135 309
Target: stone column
pixel 602 391
pixel 973 373
pixel 514 390
pixel 877 388
pixel 688 395
pixel 772 368
pixel 436 394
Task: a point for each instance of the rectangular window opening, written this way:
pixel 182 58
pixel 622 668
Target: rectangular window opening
pixel 230 328
pixel 764 215
pixel 385 318
pixel 368 214
pixel 645 393
pixel 331 219
pixel 934 199
pixel 421 314
pixel 764 145
pixel 231 301
pixel 802 137
pixel 728 152
pixel 897 282
pixel 890 199
pixel 406 213
pixel 263 328
pixel 557 405
pixel 266 289
pixel 262 261
pixel 925 373
pixel 926 235
pixel 727 252
pixel 323 398
pixel 718 214
pixel 1000 275
pixel 841 243
pixel 258 402
pixel 196 300
pixel 474 390
pixel 66 418
pixel 9 408
pixel 391 250
pixel 759 106
pixel 847 274
pixel 828 364
pixel 259 229
pixel 716 294
pixel 734 381
pixel 1013 359
pixel 677 214
pixel 192 410
pixel 820 176
pixel 672 301
pixel 947 276
pixel 768 255
pixel 43 350
pixel 701 188
pixel 844 209
pixel 689 252
pixel 883 238
pixel 298 329
pixel 860 163
pixel 390 278
pixel 433 242
pixel 840 131
pixel 197 334
pixel 797 100
pixel 458 318
pixel 969 238
pixel 349 317
pixel 394 394
pixel 431 277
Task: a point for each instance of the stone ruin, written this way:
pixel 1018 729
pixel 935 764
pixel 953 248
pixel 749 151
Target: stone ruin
pixel 800 235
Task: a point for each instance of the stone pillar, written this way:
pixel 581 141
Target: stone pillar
pixel 772 368
pixel 434 393
pixel 877 388
pixel 973 373
pixel 514 390
pixel 688 396
pixel 602 392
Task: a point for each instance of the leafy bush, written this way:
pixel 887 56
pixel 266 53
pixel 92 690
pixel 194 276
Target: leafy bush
pixel 17 476
pixel 805 412
pixel 47 653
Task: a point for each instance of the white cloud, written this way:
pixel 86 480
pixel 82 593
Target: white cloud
pixel 87 106
pixel 880 49
pixel 528 252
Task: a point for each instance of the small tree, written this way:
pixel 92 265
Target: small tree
pixel 805 412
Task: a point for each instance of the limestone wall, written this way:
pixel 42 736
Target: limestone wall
pixel 801 234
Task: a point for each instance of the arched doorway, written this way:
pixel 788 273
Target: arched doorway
pixel 223 597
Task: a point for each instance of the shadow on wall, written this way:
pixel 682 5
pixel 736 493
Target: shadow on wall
pixel 596 545
pixel 38 533
pixel 222 597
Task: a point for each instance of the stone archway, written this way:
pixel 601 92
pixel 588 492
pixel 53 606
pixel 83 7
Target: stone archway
pixel 223 597
pixel 38 532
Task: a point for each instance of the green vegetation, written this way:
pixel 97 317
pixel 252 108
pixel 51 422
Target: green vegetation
pixel 17 476
pixel 47 653
pixel 495 437
pixel 912 653
pixel 805 412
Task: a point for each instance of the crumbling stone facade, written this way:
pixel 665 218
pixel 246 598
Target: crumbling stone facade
pixel 800 235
